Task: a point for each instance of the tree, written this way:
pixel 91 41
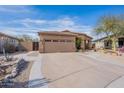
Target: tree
pixel 28 38
pixel 25 38
pixel 9 48
pixel 112 27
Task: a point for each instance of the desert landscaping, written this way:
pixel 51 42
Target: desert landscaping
pixel 62 46
pixel 65 70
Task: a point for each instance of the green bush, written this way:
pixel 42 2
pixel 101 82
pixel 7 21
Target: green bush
pixel 78 43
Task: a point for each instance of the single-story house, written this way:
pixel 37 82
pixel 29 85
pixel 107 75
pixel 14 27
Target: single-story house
pixel 107 44
pixel 50 41
pixel 64 41
pixel 4 38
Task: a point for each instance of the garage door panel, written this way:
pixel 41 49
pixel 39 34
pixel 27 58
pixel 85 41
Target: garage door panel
pixel 59 47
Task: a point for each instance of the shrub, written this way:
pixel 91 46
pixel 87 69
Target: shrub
pixel 9 48
pixel 78 43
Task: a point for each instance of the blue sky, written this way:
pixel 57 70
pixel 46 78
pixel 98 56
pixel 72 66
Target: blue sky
pixel 18 20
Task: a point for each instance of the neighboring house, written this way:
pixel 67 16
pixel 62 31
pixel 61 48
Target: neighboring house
pixel 107 44
pixel 53 41
pixel 7 39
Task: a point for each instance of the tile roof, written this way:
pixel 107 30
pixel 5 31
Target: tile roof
pixel 57 33
pixel 65 32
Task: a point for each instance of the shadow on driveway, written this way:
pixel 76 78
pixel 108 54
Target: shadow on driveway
pixel 36 83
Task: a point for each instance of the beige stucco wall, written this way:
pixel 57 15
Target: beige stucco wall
pixel 26 45
pixel 57 46
pixel 84 38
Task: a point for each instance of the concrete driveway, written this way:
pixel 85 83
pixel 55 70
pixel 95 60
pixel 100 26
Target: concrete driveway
pixel 78 70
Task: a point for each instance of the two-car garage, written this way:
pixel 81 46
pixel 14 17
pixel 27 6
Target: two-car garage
pixel 56 42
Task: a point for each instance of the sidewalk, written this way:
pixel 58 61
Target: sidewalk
pixel 36 79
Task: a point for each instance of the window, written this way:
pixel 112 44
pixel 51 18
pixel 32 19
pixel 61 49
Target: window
pixel 47 40
pixel 62 40
pixel 55 40
pixel 69 41
pixel 13 41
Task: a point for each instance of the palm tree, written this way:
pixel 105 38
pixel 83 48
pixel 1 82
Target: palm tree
pixel 112 27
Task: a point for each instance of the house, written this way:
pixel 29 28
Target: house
pixel 4 38
pixel 107 44
pixel 64 41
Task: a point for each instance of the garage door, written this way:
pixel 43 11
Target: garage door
pixel 59 46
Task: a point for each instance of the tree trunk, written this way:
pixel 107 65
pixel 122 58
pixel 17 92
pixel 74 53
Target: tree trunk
pixel 113 44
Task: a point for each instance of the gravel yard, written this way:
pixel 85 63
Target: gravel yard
pixel 22 79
